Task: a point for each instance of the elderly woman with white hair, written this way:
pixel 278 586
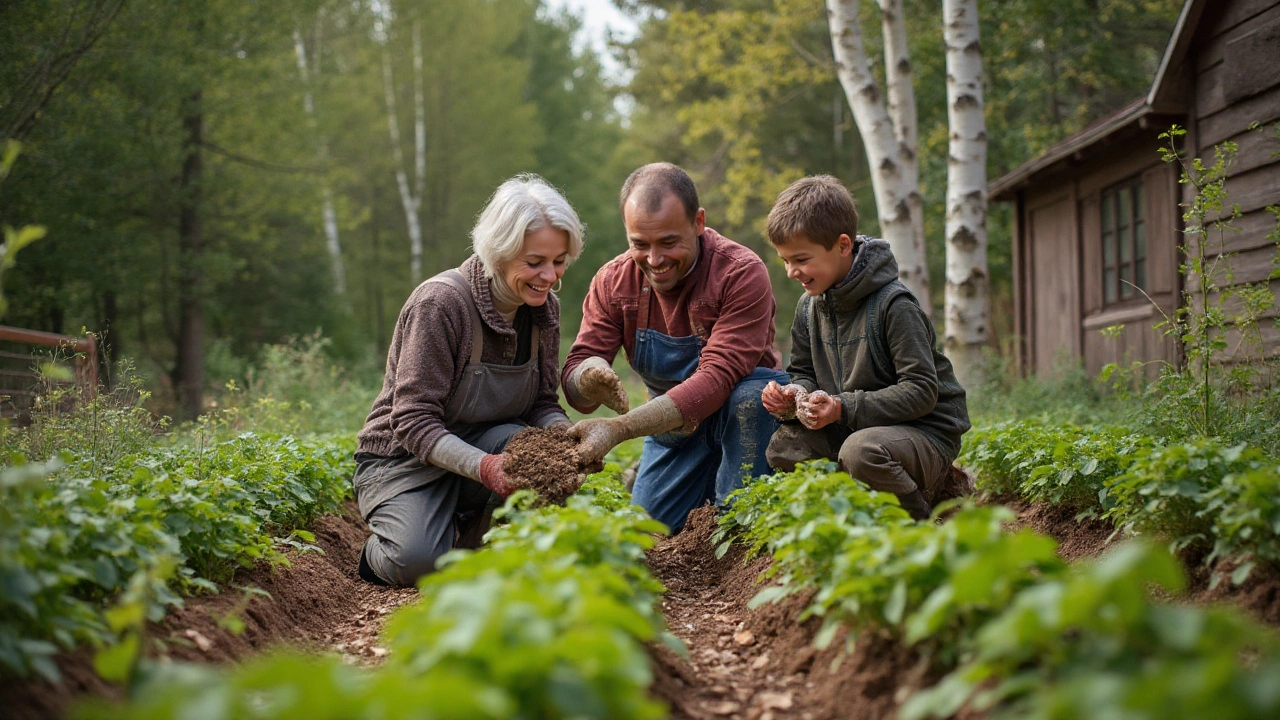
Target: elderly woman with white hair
pixel 474 359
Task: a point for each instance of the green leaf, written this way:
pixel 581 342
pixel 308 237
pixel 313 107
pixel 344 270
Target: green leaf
pixel 769 594
pixel 115 662
pixel 827 633
pixel 896 605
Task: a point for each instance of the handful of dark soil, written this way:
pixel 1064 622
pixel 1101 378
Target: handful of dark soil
pixel 546 461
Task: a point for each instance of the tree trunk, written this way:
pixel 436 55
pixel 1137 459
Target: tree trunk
pixel 189 373
pixel 890 178
pixel 410 202
pixel 902 111
pixel 327 214
pixel 967 307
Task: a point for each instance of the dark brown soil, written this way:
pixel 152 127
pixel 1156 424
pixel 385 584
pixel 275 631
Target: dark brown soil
pixel 318 602
pixel 1077 540
pixel 1258 596
pixel 761 664
pixel 546 460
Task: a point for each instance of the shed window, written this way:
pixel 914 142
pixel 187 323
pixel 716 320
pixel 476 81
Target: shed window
pixel 1124 242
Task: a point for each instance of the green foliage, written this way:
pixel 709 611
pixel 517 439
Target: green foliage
pixel 801 517
pixel 71 541
pixel 100 432
pixel 1067 394
pixel 1092 645
pixel 871 565
pixel 1203 496
pixel 103 157
pixel 14 239
pixel 1214 501
pixel 1023 633
pixel 295 387
pixel 547 621
pixel 1058 464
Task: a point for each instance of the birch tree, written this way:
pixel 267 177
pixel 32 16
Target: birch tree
pixel 410 198
pixel 889 132
pixel 967 313
pixel 328 216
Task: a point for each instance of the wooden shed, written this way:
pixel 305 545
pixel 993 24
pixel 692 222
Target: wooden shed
pixel 1098 222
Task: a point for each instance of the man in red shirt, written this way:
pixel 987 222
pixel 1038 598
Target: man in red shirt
pixel 694 312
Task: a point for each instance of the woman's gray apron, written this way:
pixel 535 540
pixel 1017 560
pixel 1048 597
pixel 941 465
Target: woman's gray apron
pixel 486 395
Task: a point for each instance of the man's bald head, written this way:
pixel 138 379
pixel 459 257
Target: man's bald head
pixel 650 184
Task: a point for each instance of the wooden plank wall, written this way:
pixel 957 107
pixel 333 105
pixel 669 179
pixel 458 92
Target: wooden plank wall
pixel 1236 64
pixel 1054 282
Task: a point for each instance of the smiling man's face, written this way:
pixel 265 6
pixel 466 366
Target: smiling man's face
pixel 664 243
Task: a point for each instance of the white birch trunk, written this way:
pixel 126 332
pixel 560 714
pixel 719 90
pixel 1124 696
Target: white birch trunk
pixel 889 181
pixel 408 200
pixel 328 216
pixel 419 117
pixel 967 308
pixel 902 111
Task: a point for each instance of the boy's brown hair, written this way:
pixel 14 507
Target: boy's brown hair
pixel 818 207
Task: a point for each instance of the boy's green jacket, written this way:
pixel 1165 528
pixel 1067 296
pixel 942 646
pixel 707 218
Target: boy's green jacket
pixel 830 352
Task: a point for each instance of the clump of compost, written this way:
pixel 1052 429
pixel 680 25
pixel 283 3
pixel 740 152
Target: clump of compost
pixel 546 461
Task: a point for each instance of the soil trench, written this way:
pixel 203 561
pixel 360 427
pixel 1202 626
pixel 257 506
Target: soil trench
pixel 318 603
pixel 761 664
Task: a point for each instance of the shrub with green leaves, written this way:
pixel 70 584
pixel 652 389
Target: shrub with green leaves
pixel 802 517
pixel 71 538
pixel 548 620
pixel 1092 644
pixel 1032 636
pixel 1165 494
pixel 1059 464
pixel 1206 497
pixel 871 565
pixel 1245 507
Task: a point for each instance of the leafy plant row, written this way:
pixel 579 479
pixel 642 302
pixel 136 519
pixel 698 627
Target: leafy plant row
pixel 73 532
pixel 1022 633
pixel 547 621
pixel 1218 502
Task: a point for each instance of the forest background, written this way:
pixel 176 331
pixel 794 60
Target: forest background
pixel 219 176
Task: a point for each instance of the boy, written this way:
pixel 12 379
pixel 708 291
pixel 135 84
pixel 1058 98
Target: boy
pixel 867 386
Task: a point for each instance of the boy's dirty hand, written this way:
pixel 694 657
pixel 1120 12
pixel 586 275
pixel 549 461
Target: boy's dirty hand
pixel 781 401
pixel 818 410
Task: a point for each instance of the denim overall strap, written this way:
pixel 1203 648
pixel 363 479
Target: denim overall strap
pixel 661 360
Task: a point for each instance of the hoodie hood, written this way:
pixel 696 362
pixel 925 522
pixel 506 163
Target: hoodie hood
pixel 873 267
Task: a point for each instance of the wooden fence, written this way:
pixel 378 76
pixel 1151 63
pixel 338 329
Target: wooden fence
pixel 20 353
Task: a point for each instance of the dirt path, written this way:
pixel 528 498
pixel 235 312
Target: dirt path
pixel 761 664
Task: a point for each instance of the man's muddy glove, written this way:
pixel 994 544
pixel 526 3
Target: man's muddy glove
pixel 597 436
pixel 781 400
pixel 596 383
pixel 494 477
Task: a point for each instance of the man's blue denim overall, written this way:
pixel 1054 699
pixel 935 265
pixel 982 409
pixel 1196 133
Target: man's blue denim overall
pixel 681 471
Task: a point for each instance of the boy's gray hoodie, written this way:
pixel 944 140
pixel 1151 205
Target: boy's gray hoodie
pixel 830 352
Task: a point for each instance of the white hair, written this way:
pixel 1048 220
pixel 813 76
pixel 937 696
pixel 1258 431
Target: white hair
pixel 524 204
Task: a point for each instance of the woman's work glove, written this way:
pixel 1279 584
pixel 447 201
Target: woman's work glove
pixel 494 477
pixel 818 410
pixel 595 382
pixel 597 436
pixel 781 400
